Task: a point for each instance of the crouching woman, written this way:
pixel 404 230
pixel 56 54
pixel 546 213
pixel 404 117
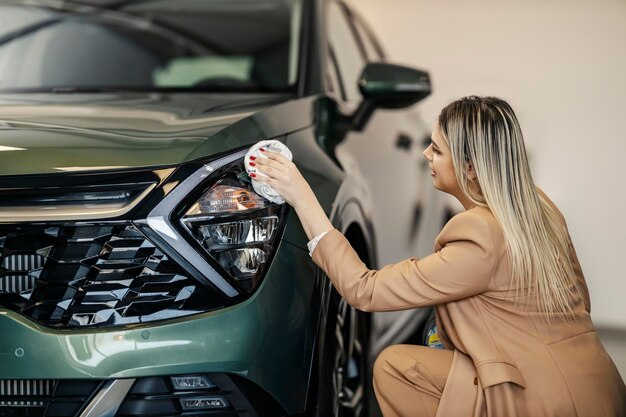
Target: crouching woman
pixel 511 300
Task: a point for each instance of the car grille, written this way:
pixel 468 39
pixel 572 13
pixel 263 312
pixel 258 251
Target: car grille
pixel 45 397
pixel 73 275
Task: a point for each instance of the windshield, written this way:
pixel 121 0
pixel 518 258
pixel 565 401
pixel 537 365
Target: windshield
pixel 149 45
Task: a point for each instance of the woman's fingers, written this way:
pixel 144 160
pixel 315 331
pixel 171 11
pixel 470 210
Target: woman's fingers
pixel 262 178
pixel 277 157
pixel 259 178
pixel 272 164
pixel 268 170
pixel 281 174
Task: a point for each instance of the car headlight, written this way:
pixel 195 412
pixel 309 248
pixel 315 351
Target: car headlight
pixel 236 227
pixel 217 223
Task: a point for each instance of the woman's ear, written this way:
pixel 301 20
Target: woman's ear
pixel 471 173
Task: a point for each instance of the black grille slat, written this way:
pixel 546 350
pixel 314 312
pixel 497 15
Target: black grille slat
pixel 17 283
pixel 11 392
pixel 23 262
pixel 75 252
pixel 89 234
pixel 93 275
pixel 115 274
pixel 62 272
pixel 45 397
pixel 80 387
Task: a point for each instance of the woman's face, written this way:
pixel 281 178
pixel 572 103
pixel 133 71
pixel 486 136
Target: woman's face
pixel 440 161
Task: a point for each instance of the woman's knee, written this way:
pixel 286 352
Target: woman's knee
pixel 387 362
pixel 394 361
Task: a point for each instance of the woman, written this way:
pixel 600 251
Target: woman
pixel 511 300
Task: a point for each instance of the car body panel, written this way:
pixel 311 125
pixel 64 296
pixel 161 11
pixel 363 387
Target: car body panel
pixel 81 132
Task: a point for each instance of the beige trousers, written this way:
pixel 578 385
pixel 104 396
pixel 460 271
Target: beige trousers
pixel 409 380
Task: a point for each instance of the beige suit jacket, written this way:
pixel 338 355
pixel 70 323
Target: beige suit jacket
pixel 507 361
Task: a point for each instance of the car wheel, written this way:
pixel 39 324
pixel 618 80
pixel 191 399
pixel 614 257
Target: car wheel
pixel 344 376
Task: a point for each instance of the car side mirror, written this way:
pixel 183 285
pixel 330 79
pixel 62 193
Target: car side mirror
pixel 389 86
pixel 393 86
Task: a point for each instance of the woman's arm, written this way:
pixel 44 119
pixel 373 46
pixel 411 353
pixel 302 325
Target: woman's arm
pixel 462 267
pixel 285 178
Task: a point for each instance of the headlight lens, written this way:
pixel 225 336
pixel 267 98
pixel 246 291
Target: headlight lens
pixel 226 196
pixel 241 232
pixel 235 226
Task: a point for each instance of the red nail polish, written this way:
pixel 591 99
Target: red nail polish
pixel 252 157
pixel 251 164
pixel 262 149
pixel 253 175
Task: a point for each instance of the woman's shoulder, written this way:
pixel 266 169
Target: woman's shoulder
pixel 479 217
pixel 477 224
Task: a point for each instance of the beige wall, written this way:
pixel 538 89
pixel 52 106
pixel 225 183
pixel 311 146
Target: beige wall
pixel 562 66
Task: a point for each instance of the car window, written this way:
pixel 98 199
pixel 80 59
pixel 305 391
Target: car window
pixel 161 44
pixel 349 58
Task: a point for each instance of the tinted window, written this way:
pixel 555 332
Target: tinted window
pixel 346 49
pixel 160 44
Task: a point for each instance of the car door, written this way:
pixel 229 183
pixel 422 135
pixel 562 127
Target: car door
pixel 387 154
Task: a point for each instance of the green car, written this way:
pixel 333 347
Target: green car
pixel 141 275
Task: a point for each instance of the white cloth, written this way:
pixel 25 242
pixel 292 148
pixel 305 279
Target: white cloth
pixel 313 242
pixel 261 188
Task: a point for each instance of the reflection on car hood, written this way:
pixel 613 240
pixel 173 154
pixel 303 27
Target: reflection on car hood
pixel 48 133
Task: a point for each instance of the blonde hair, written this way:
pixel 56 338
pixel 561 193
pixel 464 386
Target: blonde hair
pixel 486 132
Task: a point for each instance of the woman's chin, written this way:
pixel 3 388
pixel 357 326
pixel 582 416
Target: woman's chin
pixel 438 186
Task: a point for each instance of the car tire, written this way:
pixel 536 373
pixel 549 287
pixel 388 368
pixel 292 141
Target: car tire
pixel 344 379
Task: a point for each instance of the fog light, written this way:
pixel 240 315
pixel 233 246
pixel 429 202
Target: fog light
pixel 191 382
pixel 204 403
pixel 241 263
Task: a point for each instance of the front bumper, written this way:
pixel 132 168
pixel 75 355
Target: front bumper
pixel 267 340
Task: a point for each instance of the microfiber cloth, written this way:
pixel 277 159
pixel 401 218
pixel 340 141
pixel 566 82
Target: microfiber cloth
pixel 262 188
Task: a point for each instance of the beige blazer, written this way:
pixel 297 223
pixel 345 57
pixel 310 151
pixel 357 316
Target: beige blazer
pixel 507 361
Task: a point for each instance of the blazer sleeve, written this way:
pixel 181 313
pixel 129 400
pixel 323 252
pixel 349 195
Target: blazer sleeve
pixel 463 265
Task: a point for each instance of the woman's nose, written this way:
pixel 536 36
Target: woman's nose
pixel 426 153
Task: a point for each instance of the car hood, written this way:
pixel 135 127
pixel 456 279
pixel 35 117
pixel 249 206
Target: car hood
pixel 55 133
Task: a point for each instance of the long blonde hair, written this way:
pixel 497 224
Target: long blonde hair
pixel 485 132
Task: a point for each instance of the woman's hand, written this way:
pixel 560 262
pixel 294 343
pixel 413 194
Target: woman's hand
pixel 284 177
